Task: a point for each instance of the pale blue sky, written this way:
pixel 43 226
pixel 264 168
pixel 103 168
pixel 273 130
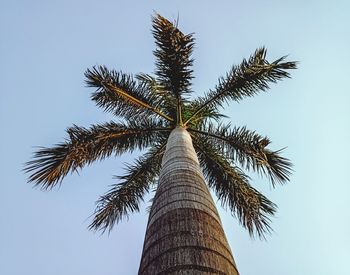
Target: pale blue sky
pixel 45 47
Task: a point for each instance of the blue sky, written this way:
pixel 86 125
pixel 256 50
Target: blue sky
pixel 47 45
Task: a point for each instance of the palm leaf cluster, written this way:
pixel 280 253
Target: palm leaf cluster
pixel 148 107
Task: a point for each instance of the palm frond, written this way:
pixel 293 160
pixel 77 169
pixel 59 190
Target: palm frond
pixel 248 149
pixel 51 165
pixel 232 187
pixel 205 115
pixel 173 56
pixel 121 94
pixel 163 100
pixel 124 198
pixel 246 80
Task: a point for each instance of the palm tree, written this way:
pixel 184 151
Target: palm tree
pixel 190 148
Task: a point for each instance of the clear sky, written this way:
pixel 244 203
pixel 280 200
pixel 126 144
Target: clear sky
pixel 45 47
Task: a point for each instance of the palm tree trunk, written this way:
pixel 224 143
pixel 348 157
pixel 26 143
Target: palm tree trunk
pixel 184 233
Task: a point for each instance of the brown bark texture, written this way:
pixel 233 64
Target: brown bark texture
pixel 184 233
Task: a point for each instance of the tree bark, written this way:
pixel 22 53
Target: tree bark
pixel 184 233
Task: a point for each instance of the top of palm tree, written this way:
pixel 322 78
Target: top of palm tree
pixel 148 107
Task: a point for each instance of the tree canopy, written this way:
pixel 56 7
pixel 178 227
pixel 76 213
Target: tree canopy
pixel 148 107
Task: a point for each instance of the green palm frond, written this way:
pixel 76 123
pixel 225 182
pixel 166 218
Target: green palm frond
pixel 84 146
pixel 121 94
pixel 163 100
pixel 124 198
pixel 232 187
pixel 205 115
pixel 173 56
pixel 248 79
pixel 248 149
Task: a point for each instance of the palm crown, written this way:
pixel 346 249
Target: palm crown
pixel 149 108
